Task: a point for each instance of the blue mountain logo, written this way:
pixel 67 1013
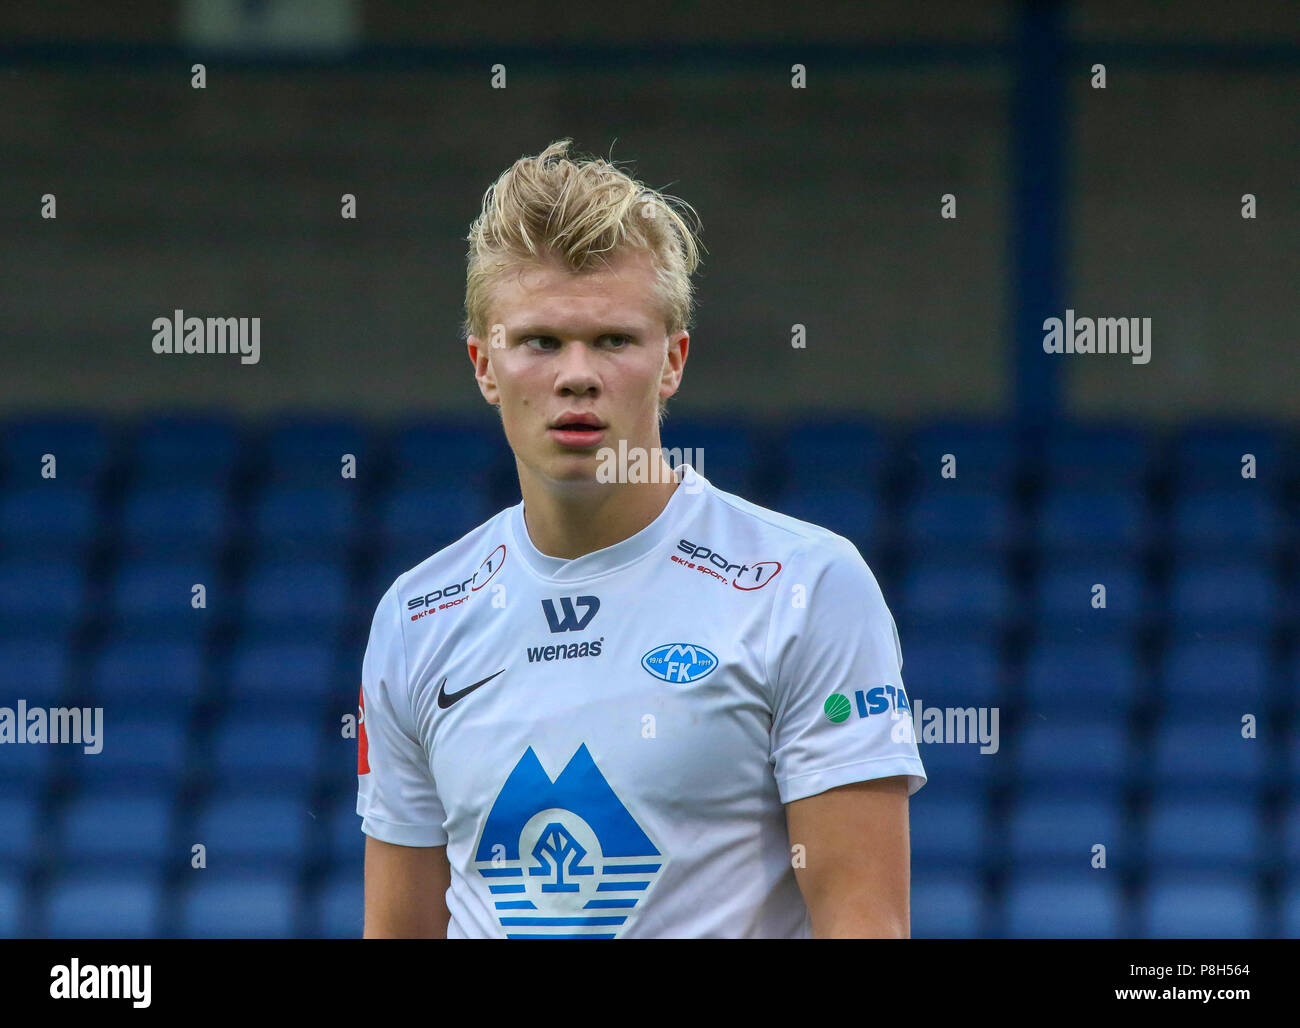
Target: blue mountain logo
pixel 679 662
pixel 564 858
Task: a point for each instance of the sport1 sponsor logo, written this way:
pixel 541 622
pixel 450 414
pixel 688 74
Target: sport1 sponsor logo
pixel 747 577
pixel 461 591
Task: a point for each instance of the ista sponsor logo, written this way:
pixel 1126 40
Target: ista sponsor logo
pixel 456 593
pixel 880 700
pixel 746 577
pixel 679 662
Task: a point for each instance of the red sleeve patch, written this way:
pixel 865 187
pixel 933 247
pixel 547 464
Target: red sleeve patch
pixel 363 747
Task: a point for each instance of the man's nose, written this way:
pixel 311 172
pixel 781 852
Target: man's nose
pixel 577 372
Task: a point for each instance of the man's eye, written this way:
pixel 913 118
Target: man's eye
pixel 544 342
pixel 619 341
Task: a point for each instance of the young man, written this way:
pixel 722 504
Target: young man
pixel 629 708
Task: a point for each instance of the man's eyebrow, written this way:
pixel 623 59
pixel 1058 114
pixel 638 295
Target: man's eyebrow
pixel 546 330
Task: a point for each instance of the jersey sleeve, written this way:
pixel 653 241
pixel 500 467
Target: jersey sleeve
pixel 840 710
pixel 396 796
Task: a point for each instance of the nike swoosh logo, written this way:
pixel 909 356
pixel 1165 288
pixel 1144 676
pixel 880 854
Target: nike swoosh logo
pixel 446 699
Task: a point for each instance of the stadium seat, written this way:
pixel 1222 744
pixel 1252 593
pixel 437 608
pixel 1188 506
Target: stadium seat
pixel 970 595
pixel 185 448
pixel 1288 916
pixel 12 898
pixel 956 671
pixel 189 520
pixel 255 831
pixel 98 905
pixel 949 830
pixel 1064 594
pixel 832 454
pixel 959 767
pixel 314 518
pixel 137 674
pixel 55 520
pixel 1208 456
pixel 20 826
pixel 1075 521
pixel 472 456
pixel 41 597
pixel 1228 522
pixel 155 597
pixel 1083 677
pixel 253 751
pixel 308 599
pixel 1204 833
pixel 81 446
pixel 724 452
pixel 34 670
pixel 1053 828
pixel 961 520
pixel 1200 906
pixel 142 750
pixel 118 829
pixel 339 907
pixel 1191 752
pixel 424 519
pixel 1215 675
pixel 948 905
pixel 1091 752
pixel 240 906
pixel 310 451
pixel 1095 456
pixel 292 673
pixel 987 455
pixel 1079 903
pixel 346 841
pixel 26 769
pixel 1212 595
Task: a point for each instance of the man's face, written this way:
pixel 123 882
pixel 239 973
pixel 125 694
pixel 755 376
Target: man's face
pixel 591 345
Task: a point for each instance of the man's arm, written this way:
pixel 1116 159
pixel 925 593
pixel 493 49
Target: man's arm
pixel 856 876
pixel 405 891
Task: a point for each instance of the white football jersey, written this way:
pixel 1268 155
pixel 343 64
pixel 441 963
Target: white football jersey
pixel 605 744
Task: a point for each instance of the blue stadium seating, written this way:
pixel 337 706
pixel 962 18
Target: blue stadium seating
pixel 427 518
pixel 137 673
pixel 953 671
pixel 12 899
pixel 256 752
pixel 55 520
pixel 1213 595
pixel 949 830
pixel 724 452
pixel 854 514
pixel 339 907
pixel 987 455
pixel 1063 597
pixel 143 748
pixel 965 595
pixel 41 597
pixel 959 519
pixel 89 904
pixel 1204 833
pixel 1200 906
pixel 186 448
pixel 81 446
pixel 1104 456
pixel 288 672
pixel 156 597
pixel 1050 827
pixel 314 519
pixel 20 826
pixel 35 670
pixel 126 829
pixel 190 521
pixel 832 454
pixel 470 455
pixel 1231 522
pixel 255 831
pixel 1216 675
pixel 308 599
pixel 247 905
pixel 1083 677
pixel 1095 752
pixel 310 451
pixel 1111 523
pixel 1208 456
pixel 1081 903
pixel 948 905
pixel 1191 753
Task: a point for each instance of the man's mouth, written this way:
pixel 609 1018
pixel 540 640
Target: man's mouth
pixel 578 431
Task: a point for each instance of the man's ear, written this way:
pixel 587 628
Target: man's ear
pixel 483 373
pixel 674 364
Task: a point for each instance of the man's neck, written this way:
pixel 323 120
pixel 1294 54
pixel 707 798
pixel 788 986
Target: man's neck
pixel 574 522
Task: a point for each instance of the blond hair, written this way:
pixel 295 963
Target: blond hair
pixel 550 207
